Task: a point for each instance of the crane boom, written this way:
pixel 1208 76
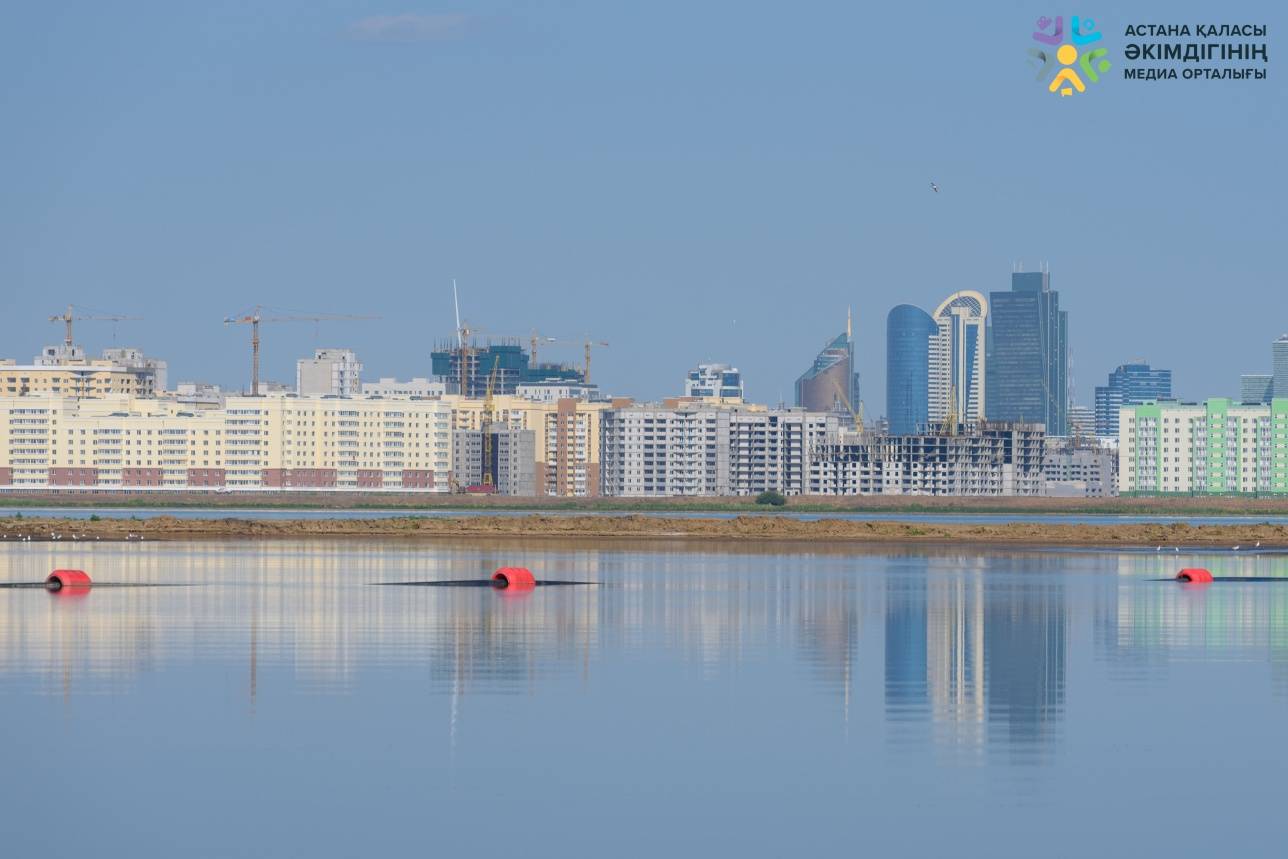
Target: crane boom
pixel 255 317
pixel 68 317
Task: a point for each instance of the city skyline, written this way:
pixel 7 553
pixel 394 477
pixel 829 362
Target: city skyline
pixel 377 172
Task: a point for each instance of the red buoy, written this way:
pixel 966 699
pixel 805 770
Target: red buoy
pixel 1196 575
pixel 514 577
pixel 60 579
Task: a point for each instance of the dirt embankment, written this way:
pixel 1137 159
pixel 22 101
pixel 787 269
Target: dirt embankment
pixel 740 528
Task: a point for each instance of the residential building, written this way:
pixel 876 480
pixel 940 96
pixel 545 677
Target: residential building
pixel 1256 388
pixel 94 378
pixel 1028 355
pixel 714 381
pixel 330 372
pixel 681 448
pixel 831 383
pixel 252 443
pixel 1077 470
pixel 957 358
pixel 1216 447
pixel 1129 385
pixel 498 453
pixel 566 437
pixel 987 458
pixel 553 392
pixel 135 361
pixel 909 331
pixel 391 387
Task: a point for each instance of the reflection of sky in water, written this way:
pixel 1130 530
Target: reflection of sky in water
pixel 767 700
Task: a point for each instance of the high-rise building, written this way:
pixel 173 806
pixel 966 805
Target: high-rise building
pixel 1279 351
pixel 719 381
pixel 908 334
pixel 1129 385
pixel 1256 387
pixel 957 358
pixel 1027 367
pixel 467 369
pixel 509 459
pixel 1082 421
pixel 330 372
pixel 831 384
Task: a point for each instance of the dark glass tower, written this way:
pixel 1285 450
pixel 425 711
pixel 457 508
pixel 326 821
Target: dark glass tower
pixel 908 333
pixel 1027 369
pixel 1129 385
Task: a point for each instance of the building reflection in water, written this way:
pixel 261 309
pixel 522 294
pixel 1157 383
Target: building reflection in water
pixel 975 643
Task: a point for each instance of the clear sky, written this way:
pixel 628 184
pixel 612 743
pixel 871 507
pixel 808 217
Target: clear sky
pixel 689 181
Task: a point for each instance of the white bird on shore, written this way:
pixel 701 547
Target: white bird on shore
pixel 1234 548
pixel 1176 548
pixel 1258 546
pixel 1159 549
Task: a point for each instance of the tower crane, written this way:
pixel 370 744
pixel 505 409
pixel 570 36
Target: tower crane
pixel 255 316
pixel 485 422
pixel 70 316
pixel 857 414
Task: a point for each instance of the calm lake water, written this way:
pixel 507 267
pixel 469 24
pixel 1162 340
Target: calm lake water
pixel 701 700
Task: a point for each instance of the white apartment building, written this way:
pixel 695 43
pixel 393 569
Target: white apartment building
pixel 701 449
pixel 1217 447
pixel 334 372
pixel 714 381
pixel 391 387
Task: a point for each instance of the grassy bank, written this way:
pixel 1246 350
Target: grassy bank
pixel 1184 505
pixel 741 528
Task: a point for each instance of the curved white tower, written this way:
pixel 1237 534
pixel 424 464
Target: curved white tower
pixel 957 357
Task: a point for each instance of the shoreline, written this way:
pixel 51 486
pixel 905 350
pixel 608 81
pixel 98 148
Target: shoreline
pixel 306 501
pixel 755 528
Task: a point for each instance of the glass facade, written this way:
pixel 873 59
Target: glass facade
pixel 908 334
pixel 1129 385
pixel 1256 388
pixel 1027 369
pixel 830 384
pixel 1280 354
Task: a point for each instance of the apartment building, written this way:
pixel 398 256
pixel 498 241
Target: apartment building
pixel 1218 447
pixel 251 443
pixel 690 448
pixel 566 437
pixel 988 458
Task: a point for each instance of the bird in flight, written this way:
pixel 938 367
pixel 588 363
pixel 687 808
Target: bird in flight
pixel 934 187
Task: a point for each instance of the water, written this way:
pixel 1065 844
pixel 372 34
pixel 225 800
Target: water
pixel 875 516
pixel 700 701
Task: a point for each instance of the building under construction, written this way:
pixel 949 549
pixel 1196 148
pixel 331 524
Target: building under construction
pixel 466 367
pixel 988 458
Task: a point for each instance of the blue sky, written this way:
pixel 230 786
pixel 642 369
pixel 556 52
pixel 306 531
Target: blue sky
pixel 689 181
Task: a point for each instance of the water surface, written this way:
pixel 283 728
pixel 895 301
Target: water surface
pixel 702 700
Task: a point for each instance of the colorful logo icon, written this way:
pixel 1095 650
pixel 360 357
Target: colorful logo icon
pixel 1068 57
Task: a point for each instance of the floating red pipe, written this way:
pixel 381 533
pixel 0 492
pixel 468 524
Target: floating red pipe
pixel 60 579
pixel 1194 575
pixel 514 577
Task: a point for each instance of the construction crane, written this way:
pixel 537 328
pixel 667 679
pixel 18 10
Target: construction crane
pixel 489 481
pixel 70 316
pixel 589 343
pixel 532 343
pixel 857 414
pixel 255 317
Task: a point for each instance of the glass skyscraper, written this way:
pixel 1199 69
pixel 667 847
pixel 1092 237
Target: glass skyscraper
pixel 908 334
pixel 1129 385
pixel 1256 388
pixel 1279 352
pixel 1027 369
pixel 830 384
